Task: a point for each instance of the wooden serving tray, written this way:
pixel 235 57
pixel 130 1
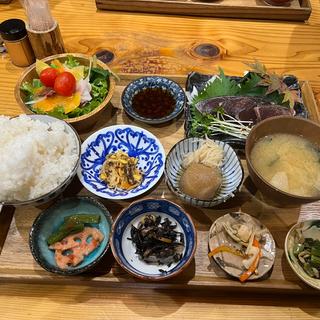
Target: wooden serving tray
pixel 17 264
pixel 298 10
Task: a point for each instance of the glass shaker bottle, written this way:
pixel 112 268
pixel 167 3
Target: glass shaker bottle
pixel 14 35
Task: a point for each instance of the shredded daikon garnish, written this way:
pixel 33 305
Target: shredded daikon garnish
pixel 209 154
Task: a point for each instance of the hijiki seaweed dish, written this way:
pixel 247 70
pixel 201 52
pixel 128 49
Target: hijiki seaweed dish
pixel 157 241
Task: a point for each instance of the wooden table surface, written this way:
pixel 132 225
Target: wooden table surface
pixel 162 44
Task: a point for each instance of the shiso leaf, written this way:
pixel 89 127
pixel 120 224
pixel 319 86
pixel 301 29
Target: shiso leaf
pixel 250 86
pixel 221 86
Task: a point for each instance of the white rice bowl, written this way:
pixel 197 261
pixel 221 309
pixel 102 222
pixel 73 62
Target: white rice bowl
pixel 35 157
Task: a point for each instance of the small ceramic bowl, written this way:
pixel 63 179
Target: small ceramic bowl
pixel 282 124
pixel 153 82
pixel 137 142
pixel 232 172
pixel 314 227
pixel 49 221
pixel 79 123
pixel 231 263
pixel 124 249
pixel 63 185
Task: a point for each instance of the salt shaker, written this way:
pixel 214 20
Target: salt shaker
pixel 14 35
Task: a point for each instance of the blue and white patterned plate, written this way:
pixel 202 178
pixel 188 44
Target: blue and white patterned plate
pixel 137 142
pixel 232 172
pixel 153 82
pixel 124 249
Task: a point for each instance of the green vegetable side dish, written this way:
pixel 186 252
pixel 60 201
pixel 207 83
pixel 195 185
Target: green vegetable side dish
pixel 71 225
pixel 92 84
pixel 306 250
pixel 308 255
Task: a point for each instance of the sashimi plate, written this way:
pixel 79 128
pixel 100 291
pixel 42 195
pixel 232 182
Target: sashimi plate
pixel 197 82
pixel 135 141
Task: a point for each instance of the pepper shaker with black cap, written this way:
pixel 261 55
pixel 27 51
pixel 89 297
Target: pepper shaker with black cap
pixel 14 35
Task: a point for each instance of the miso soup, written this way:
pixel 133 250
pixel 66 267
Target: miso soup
pixel 288 162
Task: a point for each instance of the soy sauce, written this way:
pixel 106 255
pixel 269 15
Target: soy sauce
pixel 153 103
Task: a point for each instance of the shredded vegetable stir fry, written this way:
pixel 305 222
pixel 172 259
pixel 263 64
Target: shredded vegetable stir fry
pixel 120 171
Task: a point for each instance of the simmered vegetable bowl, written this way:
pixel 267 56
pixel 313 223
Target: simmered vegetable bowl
pixel 65 88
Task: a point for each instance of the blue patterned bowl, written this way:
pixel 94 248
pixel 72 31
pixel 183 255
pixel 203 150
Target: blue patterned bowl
pixel 153 82
pixel 124 250
pixel 232 172
pixel 49 221
pixel 137 142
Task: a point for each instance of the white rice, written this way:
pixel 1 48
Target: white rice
pixel 35 157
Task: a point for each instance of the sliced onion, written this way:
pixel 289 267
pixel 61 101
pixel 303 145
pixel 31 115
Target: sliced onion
pixel 37 100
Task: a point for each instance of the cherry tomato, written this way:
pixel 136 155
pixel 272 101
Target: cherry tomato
pixel 65 84
pixel 48 76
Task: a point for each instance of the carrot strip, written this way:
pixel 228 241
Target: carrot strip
pixel 245 275
pixel 225 249
pixel 255 243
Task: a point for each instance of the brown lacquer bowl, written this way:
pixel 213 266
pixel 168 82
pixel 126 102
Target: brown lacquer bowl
pixel 283 124
pixel 80 123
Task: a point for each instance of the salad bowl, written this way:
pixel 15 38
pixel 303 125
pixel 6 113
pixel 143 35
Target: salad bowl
pixel 87 118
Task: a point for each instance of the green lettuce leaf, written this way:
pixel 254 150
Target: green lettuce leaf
pixel 99 73
pixel 71 62
pixel 99 89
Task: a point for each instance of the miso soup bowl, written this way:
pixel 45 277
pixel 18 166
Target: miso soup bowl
pixel 282 124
